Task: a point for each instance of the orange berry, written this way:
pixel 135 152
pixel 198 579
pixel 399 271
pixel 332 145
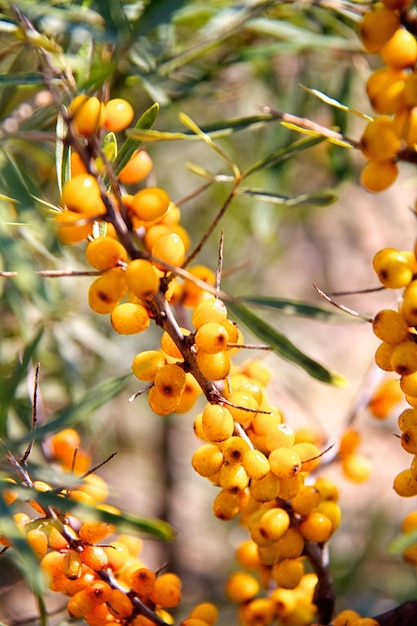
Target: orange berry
pixel 105 252
pixel 87 114
pixel 118 114
pixel 378 175
pixel 400 51
pixel 129 318
pixel 150 204
pixel 142 278
pixel 136 169
pixel 168 249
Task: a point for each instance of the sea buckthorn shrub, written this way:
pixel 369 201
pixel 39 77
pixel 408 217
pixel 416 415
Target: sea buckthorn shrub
pixel 267 478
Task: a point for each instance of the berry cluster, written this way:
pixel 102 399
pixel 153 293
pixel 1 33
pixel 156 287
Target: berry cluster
pixel 264 470
pixel 397 330
pixel 100 571
pixel 392 91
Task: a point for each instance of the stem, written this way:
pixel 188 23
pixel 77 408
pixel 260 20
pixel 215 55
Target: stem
pixel 324 594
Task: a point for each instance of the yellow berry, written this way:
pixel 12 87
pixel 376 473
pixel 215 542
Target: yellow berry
pixel 118 114
pixel 129 318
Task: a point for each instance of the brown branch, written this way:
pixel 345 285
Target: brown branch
pixel 403 615
pixel 324 593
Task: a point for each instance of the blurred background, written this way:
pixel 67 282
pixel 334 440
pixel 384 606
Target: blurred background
pixel 212 61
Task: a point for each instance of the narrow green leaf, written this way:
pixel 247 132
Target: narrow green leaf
pixel 297 308
pixel 323 198
pixel 145 122
pixel 8 388
pixel 283 154
pixel 109 146
pixel 335 103
pixel 217 129
pixel 124 522
pixel 92 400
pixel 282 346
pixel 403 541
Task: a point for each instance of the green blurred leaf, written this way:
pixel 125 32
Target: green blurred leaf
pixel 403 541
pixel 124 522
pixel 220 128
pixel 83 409
pixel 8 388
pixel 62 154
pixel 282 346
pixel 323 198
pixel 283 154
pixel 297 308
pixel 21 79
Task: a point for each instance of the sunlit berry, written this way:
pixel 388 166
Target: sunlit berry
pixel 146 364
pixel 118 114
pixel 168 250
pixel 377 27
pixel 241 587
pixel 87 114
pixel 142 278
pixel 129 318
pixel 400 51
pixel 136 169
pixel 105 252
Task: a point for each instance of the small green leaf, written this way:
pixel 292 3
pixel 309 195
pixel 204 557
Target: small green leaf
pixel 109 146
pixel 282 346
pixel 284 153
pixel 323 198
pixel 335 103
pixel 297 308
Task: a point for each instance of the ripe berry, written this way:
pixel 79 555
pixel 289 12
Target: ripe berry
pixel 105 252
pixel 379 140
pixel 393 268
pixel 81 195
pixel 136 169
pixel 214 366
pixel 170 380
pixel 129 318
pixel 150 204
pixel 378 175
pixel 256 464
pixel 217 422
pixel 390 326
pixel 273 524
pixel 386 90
pixel 70 227
pixel 118 114
pixel 210 309
pixel 107 290
pixel 404 357
pixel 160 403
pixel 87 114
pixel 146 364
pixel 400 51
pixel 316 527
pixel 167 591
pixel 226 505
pixel 168 249
pixel 241 587
pixel 284 462
pixel 142 278
pixel 356 467
pixel 142 581
pixel 377 27
pixel 405 485
pixel 288 573
pixel 207 460
pixel 211 338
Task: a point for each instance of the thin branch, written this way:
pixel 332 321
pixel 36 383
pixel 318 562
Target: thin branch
pixel 324 593
pixel 304 122
pixel 212 226
pixel 28 450
pixel 219 268
pixel 343 308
